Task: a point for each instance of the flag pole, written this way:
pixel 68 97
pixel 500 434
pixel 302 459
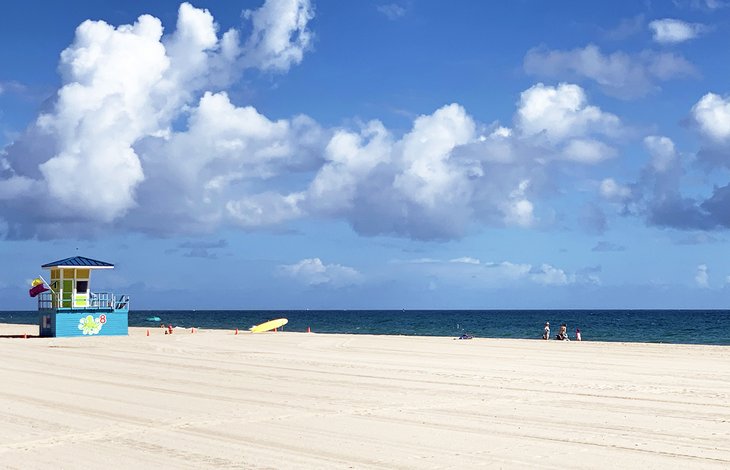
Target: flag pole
pixel 44 282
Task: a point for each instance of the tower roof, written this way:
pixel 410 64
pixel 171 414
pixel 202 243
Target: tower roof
pixel 78 262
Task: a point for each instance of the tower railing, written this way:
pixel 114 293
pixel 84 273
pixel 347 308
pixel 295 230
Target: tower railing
pixel 97 301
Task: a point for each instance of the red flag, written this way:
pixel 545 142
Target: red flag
pixel 35 290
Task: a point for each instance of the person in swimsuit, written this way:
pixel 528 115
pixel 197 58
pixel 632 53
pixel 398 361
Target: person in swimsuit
pixel 563 333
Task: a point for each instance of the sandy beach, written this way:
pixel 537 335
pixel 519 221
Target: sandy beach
pixel 294 400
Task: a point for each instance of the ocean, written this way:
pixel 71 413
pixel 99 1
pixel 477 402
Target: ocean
pixel 649 326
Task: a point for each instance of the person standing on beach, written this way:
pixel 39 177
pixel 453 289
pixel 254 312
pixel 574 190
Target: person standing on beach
pixel 577 334
pixel 546 334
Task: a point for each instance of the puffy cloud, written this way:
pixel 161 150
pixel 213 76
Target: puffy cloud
pixel 280 35
pixel 449 171
pixel 662 198
pixel 562 116
pixel 223 149
pixel 110 127
pixel 518 210
pixel 13 186
pixel 446 173
pixel 613 191
pixel 313 272
pixel 617 74
pixel 663 154
pixel 657 195
pixel 142 138
pixel 561 112
pixel 588 151
pixel 264 209
pixel 414 186
pixel 427 177
pixel 702 276
pixel 550 276
pixel 672 31
pixel 712 115
pixel 106 105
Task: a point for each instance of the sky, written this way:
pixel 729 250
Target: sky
pixel 415 154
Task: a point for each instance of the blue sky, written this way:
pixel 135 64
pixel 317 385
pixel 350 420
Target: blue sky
pixel 288 154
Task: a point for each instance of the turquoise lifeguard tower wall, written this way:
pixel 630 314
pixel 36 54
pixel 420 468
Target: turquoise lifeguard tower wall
pixel 71 308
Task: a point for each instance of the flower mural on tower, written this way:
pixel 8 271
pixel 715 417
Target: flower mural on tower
pixel 90 325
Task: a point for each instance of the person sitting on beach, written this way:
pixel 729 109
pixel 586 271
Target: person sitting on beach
pixel 563 333
pixel 546 334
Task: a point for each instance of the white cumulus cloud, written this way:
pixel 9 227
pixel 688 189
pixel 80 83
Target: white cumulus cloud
pixel 712 114
pixel 314 272
pixel 144 137
pixel 662 152
pixel 561 112
pixel 613 191
pixel 551 276
pixel 588 151
pixel 672 31
pixel 105 145
pixel 280 35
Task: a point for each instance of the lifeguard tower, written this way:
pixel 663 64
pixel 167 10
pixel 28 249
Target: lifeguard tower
pixel 71 308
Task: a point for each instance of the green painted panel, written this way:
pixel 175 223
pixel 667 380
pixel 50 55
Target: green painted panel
pixel 67 293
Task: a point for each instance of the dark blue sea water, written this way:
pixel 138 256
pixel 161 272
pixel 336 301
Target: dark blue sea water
pixel 651 326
